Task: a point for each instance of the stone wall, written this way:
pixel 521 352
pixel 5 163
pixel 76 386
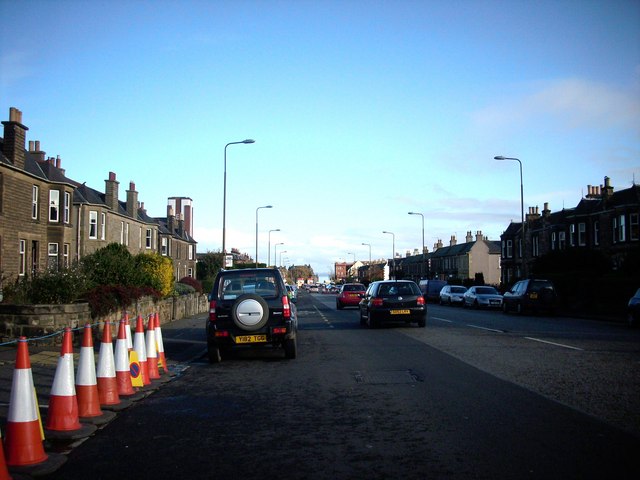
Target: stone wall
pixel 46 320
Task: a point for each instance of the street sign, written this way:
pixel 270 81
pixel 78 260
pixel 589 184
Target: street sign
pixel 228 261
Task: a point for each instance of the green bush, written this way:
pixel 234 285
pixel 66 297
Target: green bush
pixel 183 289
pixel 197 286
pixel 64 286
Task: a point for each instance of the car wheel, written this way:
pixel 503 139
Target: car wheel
pixel 339 305
pixel 519 308
pixel 505 309
pixel 290 348
pixel 213 353
pixel 250 312
pixel 422 323
pixel 475 304
pixel 371 322
pixel 363 320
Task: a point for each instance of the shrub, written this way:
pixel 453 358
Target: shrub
pixel 197 286
pixel 183 289
pixel 157 272
pixel 106 299
pixel 64 286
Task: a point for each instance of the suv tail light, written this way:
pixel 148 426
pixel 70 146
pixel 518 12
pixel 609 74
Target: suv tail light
pixel 376 302
pixel 286 308
pixel 212 311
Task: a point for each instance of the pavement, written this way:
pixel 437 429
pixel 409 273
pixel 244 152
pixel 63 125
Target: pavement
pixel 183 342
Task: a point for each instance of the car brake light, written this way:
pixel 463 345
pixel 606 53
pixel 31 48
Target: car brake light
pixel 212 311
pixel 279 330
pixel 222 333
pixel 376 302
pixel 286 308
pixel 420 300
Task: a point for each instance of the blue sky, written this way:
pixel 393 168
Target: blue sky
pixel 361 111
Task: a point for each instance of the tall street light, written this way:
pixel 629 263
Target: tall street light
pixel 266 206
pixel 224 195
pixel 424 257
pixel 522 248
pixel 269 247
pixel 393 253
pixel 284 251
pixel 275 252
pixel 369 269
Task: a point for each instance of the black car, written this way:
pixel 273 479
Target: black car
pixel 532 294
pixel 633 309
pixel 250 308
pixel 392 301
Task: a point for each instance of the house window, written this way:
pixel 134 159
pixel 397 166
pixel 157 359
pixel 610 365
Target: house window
pixel 572 234
pixel 126 234
pixel 65 255
pixel 621 229
pixel 190 272
pixel 596 233
pixel 52 259
pixel 149 237
pixel 121 233
pixel 54 205
pixel 562 240
pixel 582 234
pixel 67 207
pixel 164 246
pixel 509 248
pixel 22 268
pixel 103 226
pixel 34 202
pixel 93 224
pixel 634 227
pixel 553 240
pixel 535 245
pixel 190 253
pixel 140 237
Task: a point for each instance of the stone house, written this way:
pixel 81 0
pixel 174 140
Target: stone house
pixel 48 220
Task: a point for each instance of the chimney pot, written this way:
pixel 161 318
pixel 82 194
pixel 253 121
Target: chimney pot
pixel 31 145
pixel 112 176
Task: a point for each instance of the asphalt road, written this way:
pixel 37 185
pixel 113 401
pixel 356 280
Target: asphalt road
pixel 445 401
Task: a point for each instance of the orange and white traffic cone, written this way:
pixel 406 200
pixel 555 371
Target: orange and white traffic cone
pixel 127 326
pixel 4 471
pixel 139 346
pixel 123 368
pixel 63 420
pixel 161 358
pixel 107 383
pixel 152 355
pixel 23 442
pixel 87 385
pixel 23 447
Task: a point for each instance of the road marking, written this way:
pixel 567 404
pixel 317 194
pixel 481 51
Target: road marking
pixel 553 343
pixel 442 319
pixel 485 328
pixel 324 318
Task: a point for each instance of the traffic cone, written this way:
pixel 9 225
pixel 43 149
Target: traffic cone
pixel 152 355
pixel 23 442
pixel 86 384
pixel 24 449
pixel 107 386
pixel 4 472
pixel 127 326
pixel 161 358
pixel 140 348
pixel 63 420
pixel 123 369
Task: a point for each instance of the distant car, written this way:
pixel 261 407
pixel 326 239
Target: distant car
pixel 431 289
pixel 292 292
pixel 250 308
pixel 349 295
pixel 482 296
pixel 452 295
pixel 633 310
pixel 531 294
pixel 393 301
pixel 313 289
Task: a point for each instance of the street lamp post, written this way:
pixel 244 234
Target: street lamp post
pixel 284 251
pixel 269 246
pixel 524 265
pixel 369 269
pixel 266 206
pixel 424 256
pixel 393 252
pixel 275 252
pixel 224 195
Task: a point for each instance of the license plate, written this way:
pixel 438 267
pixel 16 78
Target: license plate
pixel 400 312
pixel 533 295
pixel 251 339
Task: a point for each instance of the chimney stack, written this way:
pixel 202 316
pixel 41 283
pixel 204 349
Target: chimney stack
pixel 132 200
pixel 111 192
pixel 453 241
pixel 15 137
pixel 478 235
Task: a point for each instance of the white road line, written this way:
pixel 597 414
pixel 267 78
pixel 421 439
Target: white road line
pixel 442 319
pixel 553 343
pixel 324 318
pixel 485 328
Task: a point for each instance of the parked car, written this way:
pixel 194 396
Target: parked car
pixel 452 295
pixel 431 289
pixel 393 301
pixel 482 296
pixel 633 309
pixel 533 294
pixel 250 308
pixel 349 295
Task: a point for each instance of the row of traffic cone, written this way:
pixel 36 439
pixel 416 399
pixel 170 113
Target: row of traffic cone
pixel 86 400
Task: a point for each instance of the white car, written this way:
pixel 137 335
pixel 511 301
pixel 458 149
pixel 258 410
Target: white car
pixel 452 295
pixel 482 296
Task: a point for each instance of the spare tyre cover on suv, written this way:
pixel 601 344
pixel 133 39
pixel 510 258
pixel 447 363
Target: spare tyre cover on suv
pixel 250 312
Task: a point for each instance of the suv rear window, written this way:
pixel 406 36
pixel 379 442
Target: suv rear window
pixel 232 286
pixel 538 285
